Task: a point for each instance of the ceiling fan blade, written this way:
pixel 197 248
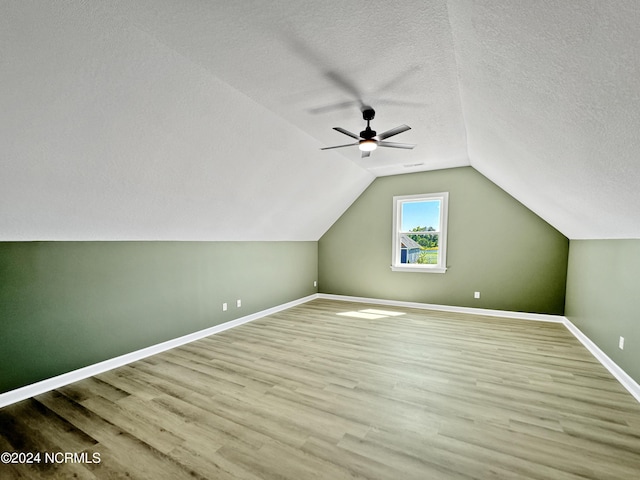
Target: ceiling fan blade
pixel 408 146
pixel 347 132
pixel 393 131
pixel 399 103
pixel 345 84
pixel 398 79
pixel 366 154
pixel 340 146
pixel 333 106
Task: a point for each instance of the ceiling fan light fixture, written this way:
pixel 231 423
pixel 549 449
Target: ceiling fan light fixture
pixel 368 145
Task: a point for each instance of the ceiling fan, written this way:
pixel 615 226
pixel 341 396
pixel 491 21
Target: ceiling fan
pixel 369 140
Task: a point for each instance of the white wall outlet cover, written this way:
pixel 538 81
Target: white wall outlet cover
pixel 224 307
pixel 238 303
pixel 476 294
pixel 621 343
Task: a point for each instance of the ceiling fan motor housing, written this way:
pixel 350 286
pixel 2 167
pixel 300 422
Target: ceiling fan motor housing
pixel 367 133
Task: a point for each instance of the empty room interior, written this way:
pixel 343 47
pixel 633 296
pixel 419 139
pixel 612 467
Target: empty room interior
pixel 325 240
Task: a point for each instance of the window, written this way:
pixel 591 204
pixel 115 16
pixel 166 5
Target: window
pixel 420 233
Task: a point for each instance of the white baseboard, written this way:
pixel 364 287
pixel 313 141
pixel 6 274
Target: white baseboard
pixel 623 377
pixel 58 381
pixel 49 384
pixel 448 308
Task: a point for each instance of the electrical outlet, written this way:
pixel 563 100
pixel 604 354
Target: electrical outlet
pixel 238 303
pixel 315 283
pixel 621 343
pixel 224 307
pixel 476 294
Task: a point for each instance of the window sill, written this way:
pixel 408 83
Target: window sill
pixel 403 268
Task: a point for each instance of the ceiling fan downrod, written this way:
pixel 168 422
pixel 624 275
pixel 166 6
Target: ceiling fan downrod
pixel 368 114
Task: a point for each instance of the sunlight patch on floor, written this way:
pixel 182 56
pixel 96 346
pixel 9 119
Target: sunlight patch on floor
pixel 371 314
pixel 386 313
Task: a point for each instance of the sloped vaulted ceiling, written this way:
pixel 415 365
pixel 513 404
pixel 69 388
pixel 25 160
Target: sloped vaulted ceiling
pixel 551 100
pixel 203 120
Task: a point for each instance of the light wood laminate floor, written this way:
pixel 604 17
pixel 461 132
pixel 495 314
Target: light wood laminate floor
pixel 308 393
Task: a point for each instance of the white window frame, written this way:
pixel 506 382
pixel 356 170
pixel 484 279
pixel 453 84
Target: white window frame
pixel 398 201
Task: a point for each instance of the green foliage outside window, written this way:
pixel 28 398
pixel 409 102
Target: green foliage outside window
pixel 428 257
pixel 428 244
pixel 425 240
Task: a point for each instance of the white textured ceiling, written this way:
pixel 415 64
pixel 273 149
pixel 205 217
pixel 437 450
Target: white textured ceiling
pixel 551 100
pixel 203 120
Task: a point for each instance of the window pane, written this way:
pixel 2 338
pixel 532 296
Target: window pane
pixel 419 249
pixel 421 215
pixel 425 240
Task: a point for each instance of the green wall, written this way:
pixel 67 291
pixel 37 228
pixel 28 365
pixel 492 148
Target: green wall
pixel 65 305
pixel 603 297
pixel 495 245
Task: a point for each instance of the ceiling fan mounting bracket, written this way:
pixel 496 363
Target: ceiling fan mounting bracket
pixel 368 114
